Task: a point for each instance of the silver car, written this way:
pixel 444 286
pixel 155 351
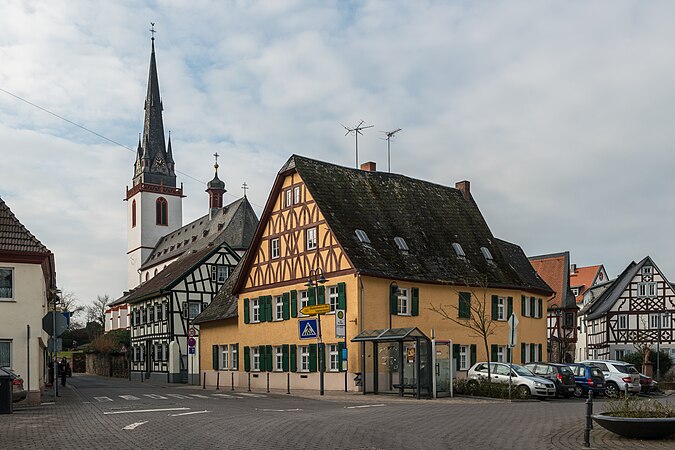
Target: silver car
pixel 524 381
pixel 620 377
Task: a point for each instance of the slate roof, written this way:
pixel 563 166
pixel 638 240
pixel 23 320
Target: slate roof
pixel 234 224
pixel 14 236
pixel 555 270
pixel 429 216
pixel 224 304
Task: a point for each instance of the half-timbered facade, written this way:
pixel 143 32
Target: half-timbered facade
pixel 584 278
pixel 636 309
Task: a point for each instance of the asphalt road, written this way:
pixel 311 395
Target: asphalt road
pixel 98 412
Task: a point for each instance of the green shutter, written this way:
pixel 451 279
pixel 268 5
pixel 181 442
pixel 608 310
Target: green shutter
pixel 455 354
pixel 464 305
pixel 495 307
pixel 341 347
pixel 312 357
pixel 293 357
pixel 311 296
pixel 342 296
pixel 247 359
pixel 541 308
pixel 415 301
pixel 262 316
pixel 269 355
pixel 523 350
pixel 247 318
pixel 509 307
pixel 473 354
pixel 321 293
pixel 287 305
pixel 523 305
pixel 214 349
pixel 269 308
pixel 261 357
pixel 532 353
pixel 235 362
pixel 393 300
pixel 533 306
pixel 294 303
pixel 493 353
pixel 539 352
pixel 284 357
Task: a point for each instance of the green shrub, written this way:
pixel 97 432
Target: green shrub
pixel 484 388
pixel 639 408
pixel 665 362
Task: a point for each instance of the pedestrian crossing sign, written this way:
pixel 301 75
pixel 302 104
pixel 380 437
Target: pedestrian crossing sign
pixel 307 328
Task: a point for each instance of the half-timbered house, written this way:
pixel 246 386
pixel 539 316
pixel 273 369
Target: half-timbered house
pixel 636 309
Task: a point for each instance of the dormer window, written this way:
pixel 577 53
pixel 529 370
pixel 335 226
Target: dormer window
pixel 362 236
pixel 459 251
pixel 401 244
pixel 646 270
pixel 486 253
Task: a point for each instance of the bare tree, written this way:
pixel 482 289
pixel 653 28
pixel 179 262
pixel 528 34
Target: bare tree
pixel 69 303
pixel 472 312
pixel 96 311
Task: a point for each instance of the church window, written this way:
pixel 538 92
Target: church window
pixel 133 213
pixel 162 211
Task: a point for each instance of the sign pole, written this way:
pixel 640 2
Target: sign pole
pixel 322 355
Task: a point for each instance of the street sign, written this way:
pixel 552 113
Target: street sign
pixel 192 342
pixel 59 345
pixel 513 330
pixel 308 328
pixel 340 323
pixel 312 310
pixel 48 323
pixel 192 350
pixel 192 332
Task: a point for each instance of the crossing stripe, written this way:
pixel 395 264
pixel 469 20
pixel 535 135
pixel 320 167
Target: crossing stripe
pixel 134 425
pixel 144 411
pixel 129 397
pixel 199 395
pixel 155 396
pixel 178 396
pixel 189 413
pixel 225 396
pixel 103 399
pixel 364 406
pixel 247 394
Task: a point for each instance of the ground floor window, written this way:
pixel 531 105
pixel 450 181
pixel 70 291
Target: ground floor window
pixel 255 353
pixel 619 354
pixel 5 353
pixel 501 354
pixel 225 357
pixel 304 358
pixel 333 354
pixel 463 357
pixel 234 359
pixel 278 359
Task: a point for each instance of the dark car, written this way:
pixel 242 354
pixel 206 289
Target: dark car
pixel 18 392
pixel 560 374
pixel 588 378
pixel 647 384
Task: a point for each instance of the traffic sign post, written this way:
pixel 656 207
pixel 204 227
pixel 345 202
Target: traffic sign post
pixel 513 340
pixel 308 328
pixel 340 323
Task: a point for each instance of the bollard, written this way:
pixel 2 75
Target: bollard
pixel 233 381
pixel 589 420
pixel 288 383
pixel 268 382
pixel 218 380
pixel 249 381
pixel 204 386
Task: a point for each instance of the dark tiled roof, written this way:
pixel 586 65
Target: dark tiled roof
pixel 224 304
pixel 234 224
pixel 428 216
pixel 14 237
pixel 554 269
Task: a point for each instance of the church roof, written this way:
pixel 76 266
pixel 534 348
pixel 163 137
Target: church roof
pixel 14 236
pixel 224 304
pixel 428 216
pixel 234 224
pixel 555 270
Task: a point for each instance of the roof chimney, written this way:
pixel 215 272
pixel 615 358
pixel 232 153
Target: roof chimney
pixel 573 269
pixel 369 166
pixel 465 188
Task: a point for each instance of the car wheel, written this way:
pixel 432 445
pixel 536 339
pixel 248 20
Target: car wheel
pixel 612 390
pixel 579 391
pixel 524 391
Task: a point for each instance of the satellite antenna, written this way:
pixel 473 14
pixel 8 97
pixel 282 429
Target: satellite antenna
pixel 390 135
pixel 356 131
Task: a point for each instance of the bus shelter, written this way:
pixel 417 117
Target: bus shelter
pixel 395 361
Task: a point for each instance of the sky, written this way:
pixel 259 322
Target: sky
pixel 559 113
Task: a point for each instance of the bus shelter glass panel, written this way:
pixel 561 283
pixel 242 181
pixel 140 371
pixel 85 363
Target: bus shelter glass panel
pixel 443 368
pixel 389 361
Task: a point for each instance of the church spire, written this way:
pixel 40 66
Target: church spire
pixel 216 189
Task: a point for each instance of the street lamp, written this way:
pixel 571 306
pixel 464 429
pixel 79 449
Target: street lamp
pixel 315 279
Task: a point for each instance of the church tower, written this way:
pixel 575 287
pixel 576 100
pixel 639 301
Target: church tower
pixel 154 203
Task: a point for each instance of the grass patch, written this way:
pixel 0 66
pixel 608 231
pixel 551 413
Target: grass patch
pixel 639 408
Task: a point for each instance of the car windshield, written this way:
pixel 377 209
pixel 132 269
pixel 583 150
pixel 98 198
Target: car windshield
pixel 626 369
pixel 595 372
pixel 519 370
pixel 566 371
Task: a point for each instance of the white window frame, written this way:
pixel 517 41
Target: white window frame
pixel 275 248
pixel 403 302
pixel 278 359
pixel 303 358
pixel 234 357
pixel 575 291
pixel 333 298
pixel 4 296
pixel 463 357
pixel 501 308
pixel 222 273
pixel 198 309
pixel 225 357
pixel 501 354
pixel 665 321
pixel 278 308
pixel 333 358
pixel 647 289
pixel 296 195
pixel 255 359
pixel 619 353
pixel 622 321
pixel 7 342
pixel 303 301
pixel 289 198
pixel 311 238
pixel 646 270
pixel 255 310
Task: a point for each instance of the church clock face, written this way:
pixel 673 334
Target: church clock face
pixel 160 166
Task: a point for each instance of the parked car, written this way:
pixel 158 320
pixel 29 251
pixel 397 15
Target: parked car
pixel 647 384
pixel 524 381
pixel 560 374
pixel 587 378
pixel 620 377
pixel 18 392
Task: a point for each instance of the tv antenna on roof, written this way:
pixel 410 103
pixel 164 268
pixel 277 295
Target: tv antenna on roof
pixel 390 135
pixel 356 131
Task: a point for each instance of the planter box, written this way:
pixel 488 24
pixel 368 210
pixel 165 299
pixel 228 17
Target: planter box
pixel 637 428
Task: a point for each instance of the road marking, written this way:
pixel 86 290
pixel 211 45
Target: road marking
pixel 134 425
pixel 144 411
pixel 178 396
pixel 189 413
pixel 155 396
pixel 103 399
pixel 225 396
pixel 199 395
pixel 52 403
pixel 279 410
pixel 129 397
pixel 364 406
pixel 252 395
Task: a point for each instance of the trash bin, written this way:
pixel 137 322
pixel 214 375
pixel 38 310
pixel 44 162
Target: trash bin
pixel 5 392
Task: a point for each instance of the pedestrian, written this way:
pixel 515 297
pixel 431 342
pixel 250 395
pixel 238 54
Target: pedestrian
pixel 64 373
pixel 51 373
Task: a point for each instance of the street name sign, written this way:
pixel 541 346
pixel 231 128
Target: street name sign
pixel 312 310
pixel 308 328
pixel 340 323
pixel 513 330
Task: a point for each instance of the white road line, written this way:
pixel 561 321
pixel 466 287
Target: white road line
pixel 364 406
pixel 189 413
pixel 144 411
pixel 103 399
pixel 155 396
pixel 51 403
pixel 179 396
pixel 134 425
pixel 199 395
pixel 225 396
pixel 129 397
pixel 279 410
pixel 252 395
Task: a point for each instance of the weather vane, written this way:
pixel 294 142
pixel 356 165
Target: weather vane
pixel 357 130
pixel 244 187
pixel 152 30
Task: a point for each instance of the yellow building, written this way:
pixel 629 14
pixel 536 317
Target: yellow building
pixel 394 253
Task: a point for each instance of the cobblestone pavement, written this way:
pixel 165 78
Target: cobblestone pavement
pixel 96 412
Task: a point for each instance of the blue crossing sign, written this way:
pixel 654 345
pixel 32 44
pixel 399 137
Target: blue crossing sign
pixel 308 328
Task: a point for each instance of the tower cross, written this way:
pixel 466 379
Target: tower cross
pixel 152 30
pixel 216 155
pixel 244 188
